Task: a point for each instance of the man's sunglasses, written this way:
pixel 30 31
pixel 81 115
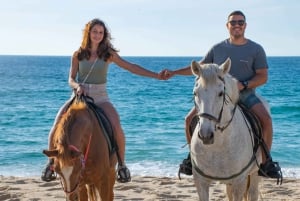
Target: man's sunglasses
pixel 235 22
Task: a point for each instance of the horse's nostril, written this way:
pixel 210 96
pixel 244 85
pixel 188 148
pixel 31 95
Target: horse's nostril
pixel 211 136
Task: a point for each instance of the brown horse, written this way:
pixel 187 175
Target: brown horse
pixel 81 155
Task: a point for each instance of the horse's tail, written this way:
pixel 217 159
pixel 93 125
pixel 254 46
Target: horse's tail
pixel 92 192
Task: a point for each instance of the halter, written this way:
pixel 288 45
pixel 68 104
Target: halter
pixel 218 120
pixel 83 159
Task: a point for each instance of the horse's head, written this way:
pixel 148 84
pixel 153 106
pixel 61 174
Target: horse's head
pixel 68 170
pixel 213 86
pixel 70 143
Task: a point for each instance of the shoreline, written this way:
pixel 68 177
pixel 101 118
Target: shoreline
pixel 147 188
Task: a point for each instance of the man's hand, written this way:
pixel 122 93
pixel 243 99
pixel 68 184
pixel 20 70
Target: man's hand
pixel 166 74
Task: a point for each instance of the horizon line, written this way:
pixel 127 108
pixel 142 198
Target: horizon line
pixel 52 55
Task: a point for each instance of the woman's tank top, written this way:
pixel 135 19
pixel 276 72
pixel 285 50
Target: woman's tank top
pixel 98 74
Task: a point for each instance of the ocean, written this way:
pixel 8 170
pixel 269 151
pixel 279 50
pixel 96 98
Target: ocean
pixel 152 112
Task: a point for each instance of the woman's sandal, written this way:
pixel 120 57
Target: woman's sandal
pixel 48 174
pixel 123 174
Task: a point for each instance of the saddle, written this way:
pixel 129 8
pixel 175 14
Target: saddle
pixel 103 121
pixel 255 124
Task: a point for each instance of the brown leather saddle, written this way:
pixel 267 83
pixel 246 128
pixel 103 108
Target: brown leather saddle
pixel 104 122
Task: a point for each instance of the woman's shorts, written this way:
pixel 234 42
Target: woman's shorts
pixel 97 92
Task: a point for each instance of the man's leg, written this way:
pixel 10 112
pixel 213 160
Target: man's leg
pixel 188 121
pixel 186 166
pixel 268 168
pixel 267 127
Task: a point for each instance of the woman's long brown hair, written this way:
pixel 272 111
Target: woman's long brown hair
pixel 105 47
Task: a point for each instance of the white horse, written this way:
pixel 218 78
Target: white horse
pixel 222 143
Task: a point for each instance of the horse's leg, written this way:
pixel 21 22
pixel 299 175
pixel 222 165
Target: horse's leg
pixel 111 183
pixel 202 186
pixel 238 190
pixel 252 192
pixel 93 193
pixel 83 196
pixel 229 192
pixel 106 187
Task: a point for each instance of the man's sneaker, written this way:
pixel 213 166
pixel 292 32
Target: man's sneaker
pixel 271 169
pixel 185 167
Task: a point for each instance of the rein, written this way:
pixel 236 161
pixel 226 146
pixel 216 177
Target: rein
pixel 218 121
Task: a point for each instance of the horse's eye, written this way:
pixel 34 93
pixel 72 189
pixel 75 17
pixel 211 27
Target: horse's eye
pixel 221 94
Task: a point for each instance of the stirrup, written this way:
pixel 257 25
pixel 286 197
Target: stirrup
pixel 271 169
pixel 48 174
pixel 185 167
pixel 123 174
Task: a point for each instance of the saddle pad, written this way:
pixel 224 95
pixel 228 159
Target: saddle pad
pixel 105 125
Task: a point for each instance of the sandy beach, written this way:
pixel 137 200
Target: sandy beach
pixel 142 188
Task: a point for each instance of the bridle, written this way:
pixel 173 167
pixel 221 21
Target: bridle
pixel 83 159
pixel 215 119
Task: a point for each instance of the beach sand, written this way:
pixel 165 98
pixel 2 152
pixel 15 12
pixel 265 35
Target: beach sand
pixel 142 188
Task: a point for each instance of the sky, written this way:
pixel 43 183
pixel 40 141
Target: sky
pixel 146 27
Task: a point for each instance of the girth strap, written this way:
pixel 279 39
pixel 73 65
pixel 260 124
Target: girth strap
pixel 222 178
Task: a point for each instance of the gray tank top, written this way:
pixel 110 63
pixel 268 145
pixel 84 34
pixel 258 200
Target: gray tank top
pixel 98 74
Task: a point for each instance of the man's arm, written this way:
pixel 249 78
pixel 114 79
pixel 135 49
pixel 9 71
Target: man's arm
pixel 260 78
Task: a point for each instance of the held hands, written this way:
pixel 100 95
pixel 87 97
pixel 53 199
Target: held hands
pixel 165 74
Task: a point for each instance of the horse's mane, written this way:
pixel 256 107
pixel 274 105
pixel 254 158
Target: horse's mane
pixel 210 74
pixel 61 137
pixel 232 88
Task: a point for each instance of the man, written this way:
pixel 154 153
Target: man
pixel 250 68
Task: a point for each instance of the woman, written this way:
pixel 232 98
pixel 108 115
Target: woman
pixel 88 76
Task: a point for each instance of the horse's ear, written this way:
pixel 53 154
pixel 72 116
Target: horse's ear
pixel 51 153
pixel 226 66
pixel 74 151
pixel 196 70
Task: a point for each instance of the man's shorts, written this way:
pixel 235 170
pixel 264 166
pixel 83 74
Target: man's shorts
pixel 249 98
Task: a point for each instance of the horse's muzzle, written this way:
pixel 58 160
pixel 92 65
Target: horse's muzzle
pixel 206 139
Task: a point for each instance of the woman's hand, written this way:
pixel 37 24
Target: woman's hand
pixel 166 74
pixel 80 90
